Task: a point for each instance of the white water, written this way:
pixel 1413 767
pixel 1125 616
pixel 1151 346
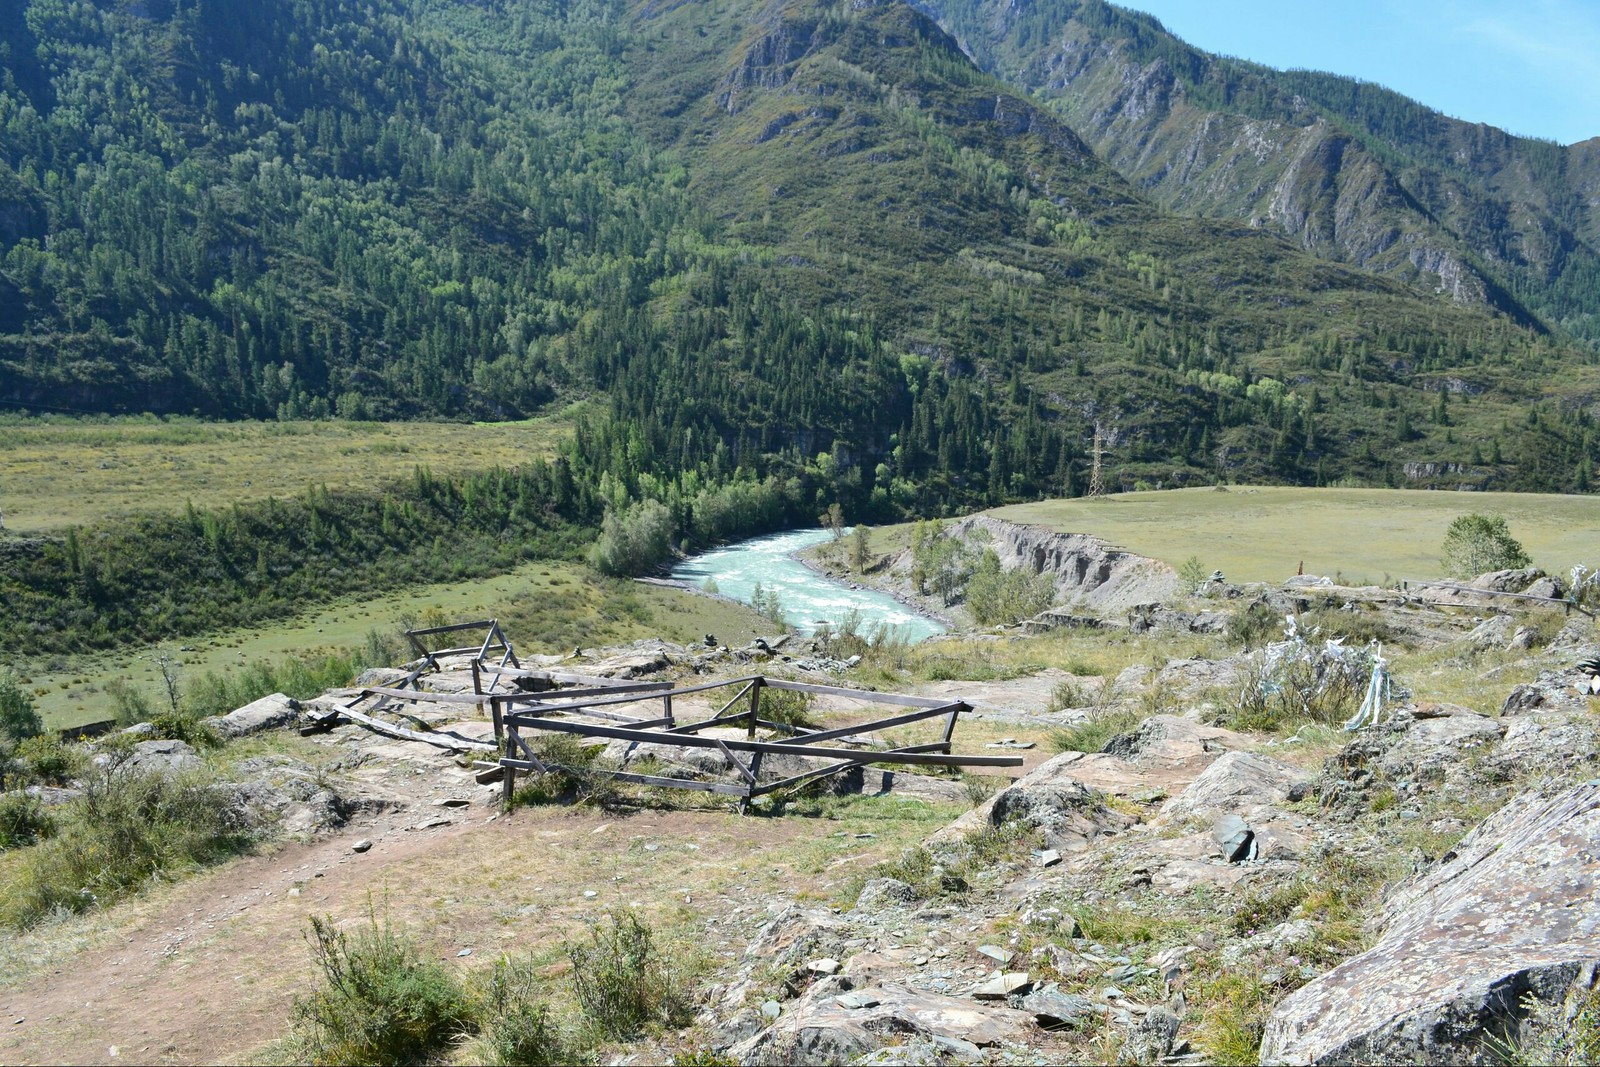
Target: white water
pixel 809 598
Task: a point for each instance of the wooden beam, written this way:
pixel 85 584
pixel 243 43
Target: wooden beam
pixel 440 739
pixel 655 737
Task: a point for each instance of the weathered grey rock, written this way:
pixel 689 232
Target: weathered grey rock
pixel 268 713
pixel 1549 587
pixel 1234 836
pixel 162 757
pixel 1553 690
pixel 1152 1037
pixel 817 1029
pixel 1493 632
pixel 1430 748
pixel 1512 915
pixel 1508 581
pixel 881 893
pixel 1001 986
pixel 1056 1010
pixel 631 665
pixel 1238 783
pixel 1049 798
pixel 1088 572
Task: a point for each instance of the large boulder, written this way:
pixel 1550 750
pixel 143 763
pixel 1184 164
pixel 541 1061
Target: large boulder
pixel 268 713
pixel 1238 783
pixel 1049 798
pixel 1510 917
pixel 836 1023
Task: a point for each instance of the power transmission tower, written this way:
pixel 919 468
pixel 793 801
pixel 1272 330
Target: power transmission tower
pixel 1097 485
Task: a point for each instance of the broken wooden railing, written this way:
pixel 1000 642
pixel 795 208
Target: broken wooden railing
pixel 564 711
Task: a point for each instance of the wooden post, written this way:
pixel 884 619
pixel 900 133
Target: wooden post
pixel 477 681
pixel 499 726
pixel 755 706
pixel 666 710
pixel 508 784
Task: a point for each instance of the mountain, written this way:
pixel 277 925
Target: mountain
pixel 767 238
pixel 1347 169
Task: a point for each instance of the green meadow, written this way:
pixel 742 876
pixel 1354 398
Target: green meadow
pixel 56 473
pixel 1264 534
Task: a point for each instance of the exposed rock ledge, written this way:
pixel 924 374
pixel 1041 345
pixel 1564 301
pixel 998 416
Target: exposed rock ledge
pixel 1511 916
pixel 1088 572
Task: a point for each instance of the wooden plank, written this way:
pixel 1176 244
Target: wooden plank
pixel 871 727
pixel 440 739
pixel 432 698
pixel 657 737
pixel 723 788
pixel 455 627
pixel 835 768
pixel 858 694
pixel 735 763
pixel 571 677
pixel 736 697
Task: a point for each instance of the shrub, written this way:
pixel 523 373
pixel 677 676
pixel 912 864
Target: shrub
pixel 23 820
pixel 1476 544
pixel 128 827
pixel 18 719
pixel 621 982
pixel 380 999
pixel 1254 626
pixel 996 596
pixel 787 707
pixel 49 760
pixel 516 1027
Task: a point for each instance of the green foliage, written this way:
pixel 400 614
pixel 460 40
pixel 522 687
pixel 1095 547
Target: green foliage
pixel 379 999
pixel 128 827
pixel 517 1027
pixel 1475 544
pixel 215 693
pixel 50 760
pixel 1566 1033
pixel 24 820
pixel 1192 573
pixel 1095 730
pixel 1254 626
pixel 787 707
pixel 18 719
pixel 622 982
pixel 1001 596
pixel 634 542
pixel 768 604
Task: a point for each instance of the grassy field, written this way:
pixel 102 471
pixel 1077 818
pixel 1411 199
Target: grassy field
pixel 545 607
pixel 56 473
pixel 1366 535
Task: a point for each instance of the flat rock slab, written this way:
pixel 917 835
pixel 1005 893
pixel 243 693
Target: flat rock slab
pixel 1514 914
pixel 1238 783
pixel 268 713
pixel 818 1029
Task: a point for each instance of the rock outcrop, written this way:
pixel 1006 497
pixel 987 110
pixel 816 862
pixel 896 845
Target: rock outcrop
pixel 1511 917
pixel 1088 572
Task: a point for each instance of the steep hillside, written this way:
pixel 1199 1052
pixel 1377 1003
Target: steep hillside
pixel 1348 169
pixel 776 239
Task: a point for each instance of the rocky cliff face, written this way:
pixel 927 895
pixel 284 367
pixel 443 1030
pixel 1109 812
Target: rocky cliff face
pixel 1088 572
pixel 1465 209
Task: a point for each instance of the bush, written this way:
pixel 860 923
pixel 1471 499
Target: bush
pixel 621 982
pixel 49 760
pixel 787 707
pixel 1476 544
pixel 23 820
pixel 380 1000
pixel 18 719
pixel 996 596
pixel 516 1027
pixel 127 828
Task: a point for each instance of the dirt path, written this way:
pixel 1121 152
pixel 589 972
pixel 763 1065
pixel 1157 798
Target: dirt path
pixel 210 974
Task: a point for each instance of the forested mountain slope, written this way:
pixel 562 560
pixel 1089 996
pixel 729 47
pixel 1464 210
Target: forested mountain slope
pixel 1348 169
pixel 800 240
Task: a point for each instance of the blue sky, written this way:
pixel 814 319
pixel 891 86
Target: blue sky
pixel 1531 67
